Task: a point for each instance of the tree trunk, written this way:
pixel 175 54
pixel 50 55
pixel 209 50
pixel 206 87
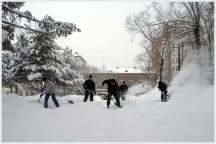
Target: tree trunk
pixel 197 28
pixel 64 90
pixel 197 36
pixel 11 89
pixel 161 68
pixel 16 89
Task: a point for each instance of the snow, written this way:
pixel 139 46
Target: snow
pixel 188 116
pixel 124 70
pixel 34 76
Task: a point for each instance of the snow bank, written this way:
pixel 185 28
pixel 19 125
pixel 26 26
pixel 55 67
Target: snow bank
pixel 187 117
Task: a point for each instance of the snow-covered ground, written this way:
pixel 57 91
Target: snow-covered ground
pixel 188 116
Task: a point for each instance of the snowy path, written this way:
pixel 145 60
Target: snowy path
pixel 140 120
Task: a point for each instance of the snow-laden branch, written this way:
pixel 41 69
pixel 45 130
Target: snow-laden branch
pixel 188 9
pixel 26 28
pixel 151 40
pixel 180 35
pixel 182 27
pixel 178 20
pixel 60 28
pixel 21 14
pixel 166 54
pixel 147 50
pixel 153 56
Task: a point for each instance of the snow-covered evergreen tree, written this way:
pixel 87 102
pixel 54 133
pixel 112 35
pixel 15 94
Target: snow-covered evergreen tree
pixel 8 30
pixel 41 58
pixel 72 78
pixel 14 20
pixel 7 75
pixel 34 53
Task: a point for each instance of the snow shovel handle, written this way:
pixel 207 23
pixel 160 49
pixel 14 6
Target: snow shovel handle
pixel 40 97
pixel 91 91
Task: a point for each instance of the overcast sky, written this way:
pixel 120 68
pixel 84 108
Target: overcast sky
pixel 103 35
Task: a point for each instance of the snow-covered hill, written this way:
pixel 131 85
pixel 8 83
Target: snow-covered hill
pixel 187 117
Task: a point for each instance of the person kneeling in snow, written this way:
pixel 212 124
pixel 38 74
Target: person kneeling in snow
pixel 49 89
pixel 112 90
pixel 163 88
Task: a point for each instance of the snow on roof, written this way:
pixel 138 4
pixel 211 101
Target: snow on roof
pixel 76 54
pixel 124 70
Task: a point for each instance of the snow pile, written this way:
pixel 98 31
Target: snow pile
pixel 139 89
pixel 151 96
pixel 133 90
pixel 189 75
pixel 194 70
pixel 187 117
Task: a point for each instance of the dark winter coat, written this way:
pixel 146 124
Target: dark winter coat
pixel 162 86
pixel 123 88
pixel 89 84
pixel 112 88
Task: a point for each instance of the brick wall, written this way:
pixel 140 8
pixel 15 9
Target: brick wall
pixel 129 78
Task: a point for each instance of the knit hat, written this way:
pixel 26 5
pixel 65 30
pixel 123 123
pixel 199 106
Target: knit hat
pixel 44 78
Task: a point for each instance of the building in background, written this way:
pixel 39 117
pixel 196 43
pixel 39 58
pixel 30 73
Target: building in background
pixel 80 60
pixel 131 76
pixel 176 56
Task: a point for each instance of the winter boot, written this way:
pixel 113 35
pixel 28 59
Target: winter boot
pixel 107 106
pixel 119 106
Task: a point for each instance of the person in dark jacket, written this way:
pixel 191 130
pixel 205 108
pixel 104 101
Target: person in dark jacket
pixel 112 88
pixel 163 88
pixel 89 86
pixel 123 90
pixel 49 90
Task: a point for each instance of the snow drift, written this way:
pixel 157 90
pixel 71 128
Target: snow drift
pixel 187 117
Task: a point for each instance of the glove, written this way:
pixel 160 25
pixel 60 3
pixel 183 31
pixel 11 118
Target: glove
pixel 42 90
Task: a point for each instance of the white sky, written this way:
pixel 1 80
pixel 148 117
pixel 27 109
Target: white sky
pixel 102 36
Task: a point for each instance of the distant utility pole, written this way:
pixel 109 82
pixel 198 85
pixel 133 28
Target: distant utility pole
pixel 179 60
